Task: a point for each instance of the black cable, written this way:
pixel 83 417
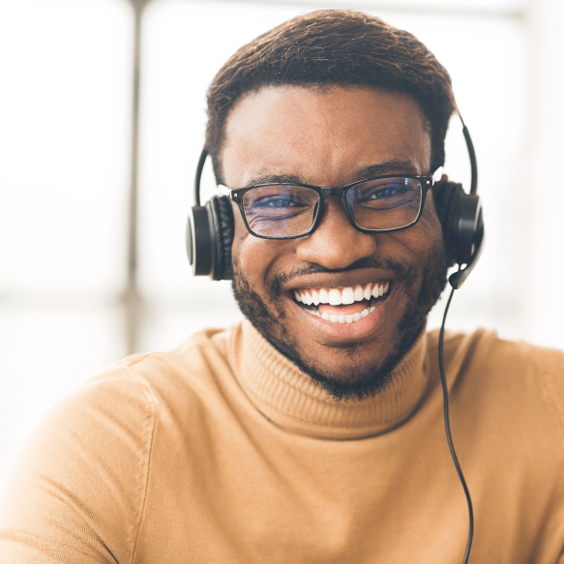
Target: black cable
pixel 449 437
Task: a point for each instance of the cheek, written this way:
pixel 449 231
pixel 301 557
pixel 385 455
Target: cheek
pixel 431 230
pixel 240 231
pixel 252 256
pixel 422 241
pixel 240 236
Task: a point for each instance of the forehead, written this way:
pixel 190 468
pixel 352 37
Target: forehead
pixel 322 137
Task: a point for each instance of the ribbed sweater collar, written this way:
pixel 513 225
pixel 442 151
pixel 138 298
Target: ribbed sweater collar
pixel 289 398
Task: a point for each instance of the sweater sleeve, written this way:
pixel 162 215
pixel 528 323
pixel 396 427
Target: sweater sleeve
pixel 77 492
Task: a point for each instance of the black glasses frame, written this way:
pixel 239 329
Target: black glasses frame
pixel 425 181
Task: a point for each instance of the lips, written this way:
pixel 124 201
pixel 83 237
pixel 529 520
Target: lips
pixel 343 305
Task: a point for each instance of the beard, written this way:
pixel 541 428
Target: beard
pixel 359 382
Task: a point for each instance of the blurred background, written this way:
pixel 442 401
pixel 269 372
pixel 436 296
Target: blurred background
pixel 102 115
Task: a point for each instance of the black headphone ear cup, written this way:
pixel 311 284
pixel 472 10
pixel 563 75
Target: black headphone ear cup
pixel 469 227
pixel 446 195
pixel 460 215
pixel 209 236
pixel 222 217
pixel 200 241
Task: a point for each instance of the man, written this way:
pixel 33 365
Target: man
pixel 313 431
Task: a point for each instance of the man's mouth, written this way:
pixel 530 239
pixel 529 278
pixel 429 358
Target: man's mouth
pixel 343 305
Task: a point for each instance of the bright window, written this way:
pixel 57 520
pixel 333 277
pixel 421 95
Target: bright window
pixel 65 69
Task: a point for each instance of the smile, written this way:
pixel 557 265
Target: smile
pixel 343 305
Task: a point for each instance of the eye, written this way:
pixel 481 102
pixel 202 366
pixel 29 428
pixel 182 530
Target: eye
pixel 278 202
pixel 388 193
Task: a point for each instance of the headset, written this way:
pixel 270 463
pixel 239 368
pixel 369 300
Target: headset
pixel 209 232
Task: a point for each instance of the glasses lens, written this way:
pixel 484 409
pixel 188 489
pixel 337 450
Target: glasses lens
pixel 280 211
pixel 385 203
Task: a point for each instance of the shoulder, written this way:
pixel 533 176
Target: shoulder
pixel 126 403
pixel 127 400
pixel 81 482
pixel 483 347
pixel 513 377
pixel 194 368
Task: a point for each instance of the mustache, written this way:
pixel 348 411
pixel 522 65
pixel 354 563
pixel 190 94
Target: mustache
pixel 402 269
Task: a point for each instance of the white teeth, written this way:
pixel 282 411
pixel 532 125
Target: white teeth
pixel 344 319
pixel 347 296
pixel 380 289
pixel 334 297
pixel 344 296
pixel 315 297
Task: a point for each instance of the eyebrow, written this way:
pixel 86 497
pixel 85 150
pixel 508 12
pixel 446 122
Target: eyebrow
pixel 389 167
pixel 269 178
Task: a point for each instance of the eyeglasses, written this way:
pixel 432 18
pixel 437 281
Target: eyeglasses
pixel 288 211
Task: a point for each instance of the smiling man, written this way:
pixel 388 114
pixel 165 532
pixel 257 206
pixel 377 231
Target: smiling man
pixel 312 432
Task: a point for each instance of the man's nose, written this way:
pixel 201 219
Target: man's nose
pixel 336 243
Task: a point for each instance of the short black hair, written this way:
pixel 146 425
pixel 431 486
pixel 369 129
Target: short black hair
pixel 331 48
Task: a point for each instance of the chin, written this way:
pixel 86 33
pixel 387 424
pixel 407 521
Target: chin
pixel 351 372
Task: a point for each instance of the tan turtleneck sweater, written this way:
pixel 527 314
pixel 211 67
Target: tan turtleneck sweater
pixel 223 452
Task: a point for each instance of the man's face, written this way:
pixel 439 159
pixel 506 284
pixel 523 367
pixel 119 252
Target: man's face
pixel 332 138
